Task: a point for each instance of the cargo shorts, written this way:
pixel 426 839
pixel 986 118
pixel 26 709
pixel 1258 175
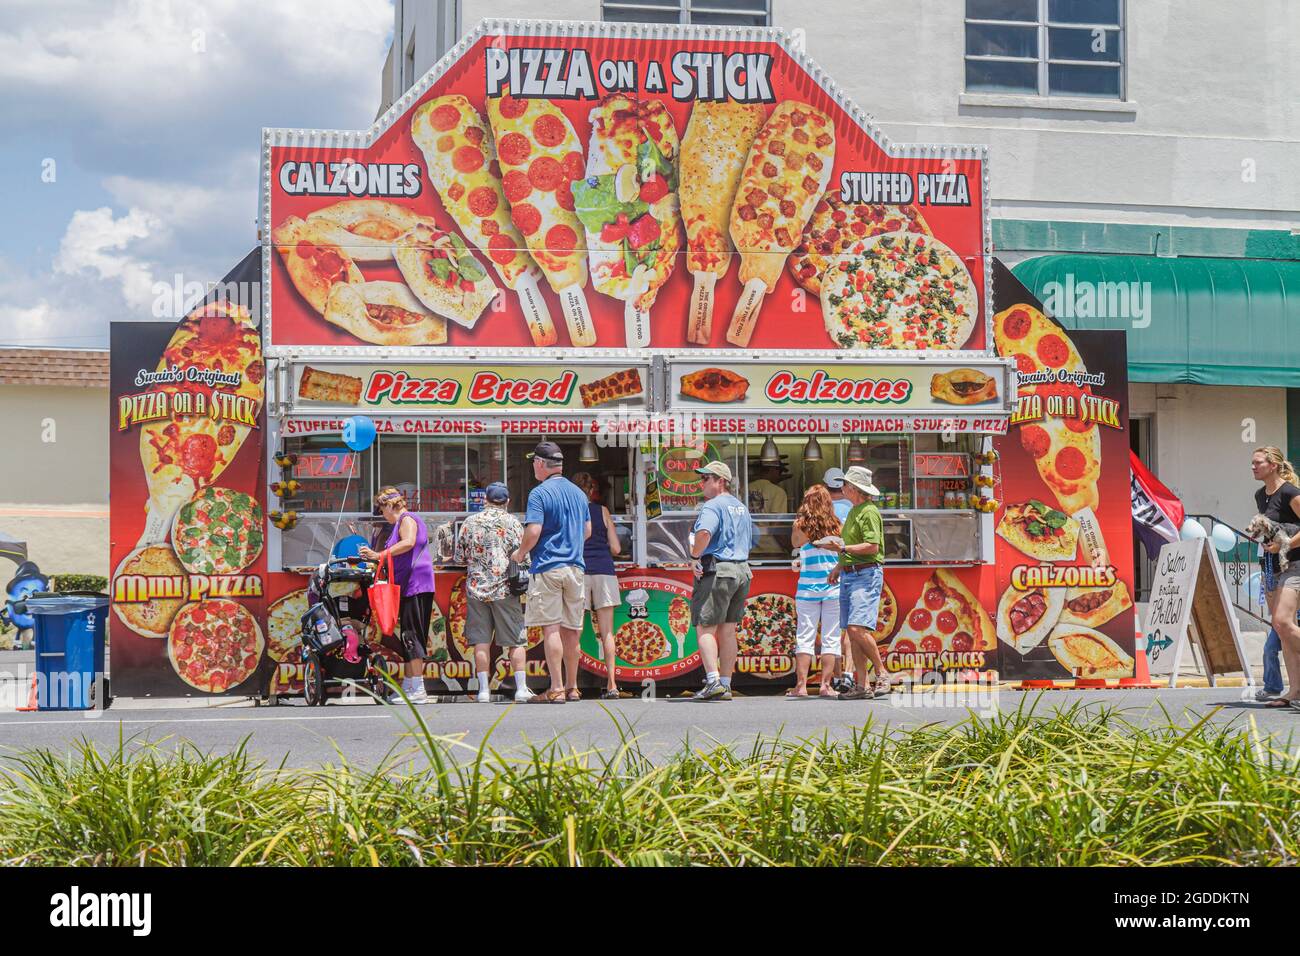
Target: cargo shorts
pixel 719 597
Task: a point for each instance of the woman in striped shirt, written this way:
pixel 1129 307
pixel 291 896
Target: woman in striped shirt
pixel 817 602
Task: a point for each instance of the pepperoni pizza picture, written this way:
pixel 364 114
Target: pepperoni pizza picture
pixel 616 386
pixel 1035 342
pixel 886 615
pixel 679 618
pixel 838 227
pixel 214 645
pixel 640 643
pixel 946 617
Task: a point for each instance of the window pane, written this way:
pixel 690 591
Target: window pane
pixel 1083 11
pixel 729 19
pixel 1094 44
pixel 486 464
pixel 399 462
pixel 1002 10
pixel 1000 77
pixel 986 40
pixel 1083 80
pixel 643 11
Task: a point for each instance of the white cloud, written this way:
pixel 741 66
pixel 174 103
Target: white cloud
pixel 96 242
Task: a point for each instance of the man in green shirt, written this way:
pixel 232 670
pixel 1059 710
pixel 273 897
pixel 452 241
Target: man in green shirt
pixel 861 574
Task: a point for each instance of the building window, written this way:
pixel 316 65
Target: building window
pixel 747 13
pixel 1045 47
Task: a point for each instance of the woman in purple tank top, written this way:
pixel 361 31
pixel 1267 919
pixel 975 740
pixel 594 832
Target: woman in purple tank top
pixel 408 545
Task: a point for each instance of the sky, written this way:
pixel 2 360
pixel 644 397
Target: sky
pixel 129 140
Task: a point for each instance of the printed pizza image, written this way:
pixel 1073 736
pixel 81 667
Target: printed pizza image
pixel 1067 454
pixel 963 386
pixel 714 385
pixel 886 615
pixel 1094 606
pixel 153 617
pixel 902 291
pixel 386 313
pixel 284 626
pixel 457 609
pixel 1025 618
pixel 535 636
pixel 640 643
pixel 443 274
pixel 1035 342
pixel 767 629
pixel 364 228
pixel 837 227
pixel 613 387
pixel 314 259
pixel 219 531
pixel 214 645
pixel 318 386
pixel 1040 532
pixel 1089 654
pixel 679 617
pixel 947 617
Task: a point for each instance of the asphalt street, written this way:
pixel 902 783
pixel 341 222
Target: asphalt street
pixel 367 734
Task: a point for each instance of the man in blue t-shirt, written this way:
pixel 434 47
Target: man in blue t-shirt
pixel 556 523
pixel 720 543
pixel 833 479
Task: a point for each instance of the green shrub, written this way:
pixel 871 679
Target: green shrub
pixel 79 582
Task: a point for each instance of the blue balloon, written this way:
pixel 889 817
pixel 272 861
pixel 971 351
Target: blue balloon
pixel 358 433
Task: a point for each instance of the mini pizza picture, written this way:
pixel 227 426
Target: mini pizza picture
pixel 716 385
pixel 1039 531
pixel 1088 653
pixel 616 386
pixel 946 617
pixel 284 626
pixel 768 626
pixel 640 643
pixel 1025 618
pixel 837 227
pixel 1094 606
pixel 151 618
pixel 218 531
pixel 679 617
pixel 963 386
pixel 318 386
pixel 902 291
pixel 886 615
pixel 214 645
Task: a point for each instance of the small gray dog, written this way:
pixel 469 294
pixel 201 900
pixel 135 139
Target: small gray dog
pixel 1267 531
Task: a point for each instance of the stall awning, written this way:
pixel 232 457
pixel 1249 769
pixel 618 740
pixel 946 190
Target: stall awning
pixel 1202 321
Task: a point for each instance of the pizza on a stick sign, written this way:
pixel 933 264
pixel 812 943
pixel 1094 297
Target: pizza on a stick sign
pixel 623 186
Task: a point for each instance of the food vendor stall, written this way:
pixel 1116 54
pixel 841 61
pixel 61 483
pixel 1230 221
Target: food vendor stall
pixel 655 245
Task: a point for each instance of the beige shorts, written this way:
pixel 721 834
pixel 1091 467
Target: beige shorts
pixel 602 592
pixel 557 596
pixel 1288 579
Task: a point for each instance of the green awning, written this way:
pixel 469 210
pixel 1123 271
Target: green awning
pixel 1203 321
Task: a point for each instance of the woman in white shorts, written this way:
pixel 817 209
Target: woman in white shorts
pixel 817 602
pixel 602 592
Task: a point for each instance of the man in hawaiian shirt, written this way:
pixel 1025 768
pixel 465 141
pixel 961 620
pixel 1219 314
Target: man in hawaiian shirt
pixel 486 541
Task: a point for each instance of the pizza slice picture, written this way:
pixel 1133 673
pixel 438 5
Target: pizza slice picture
pixel 963 386
pixel 443 274
pixel 384 313
pixel 316 385
pixel 1025 618
pixel 716 385
pixel 1088 653
pixel 461 157
pixel 457 612
pixel 903 290
pixel 313 259
pixel 363 228
pixel 838 227
pixel 1035 342
pixel 1039 531
pixel 616 386
pixel 714 149
pixel 1067 454
pixel 786 172
pixel 1094 606
pixel 214 645
pixel 946 617
pixel 152 617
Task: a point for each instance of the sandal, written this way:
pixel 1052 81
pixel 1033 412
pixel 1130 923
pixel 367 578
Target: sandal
pixel 548 697
pixel 573 694
pixel 1277 703
pixel 793 696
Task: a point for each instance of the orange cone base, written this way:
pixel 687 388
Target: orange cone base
pixel 1036 685
pixel 31 697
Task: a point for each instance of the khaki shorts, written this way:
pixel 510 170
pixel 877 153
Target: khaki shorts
pixel 558 597
pixel 1288 579
pixel 602 592
pixel 719 598
pixel 502 619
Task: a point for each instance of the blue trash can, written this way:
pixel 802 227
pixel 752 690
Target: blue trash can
pixel 69 649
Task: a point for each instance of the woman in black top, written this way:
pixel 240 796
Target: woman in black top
pixel 1279 500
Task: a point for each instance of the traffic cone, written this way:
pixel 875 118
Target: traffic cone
pixel 1036 685
pixel 1090 683
pixel 1142 675
pixel 31 697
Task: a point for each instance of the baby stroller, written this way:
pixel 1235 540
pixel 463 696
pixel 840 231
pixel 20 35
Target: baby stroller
pixel 337 616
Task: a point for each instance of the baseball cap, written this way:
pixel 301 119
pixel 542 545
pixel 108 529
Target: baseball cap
pixel 497 493
pixel 860 478
pixel 548 451
pixel 718 468
pixel 833 479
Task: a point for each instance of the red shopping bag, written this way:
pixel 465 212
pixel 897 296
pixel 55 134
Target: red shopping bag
pixel 385 598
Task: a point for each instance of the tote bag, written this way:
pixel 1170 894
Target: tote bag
pixel 385 597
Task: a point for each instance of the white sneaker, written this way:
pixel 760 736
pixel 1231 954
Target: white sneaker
pixel 523 695
pixel 484 696
pixel 421 696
